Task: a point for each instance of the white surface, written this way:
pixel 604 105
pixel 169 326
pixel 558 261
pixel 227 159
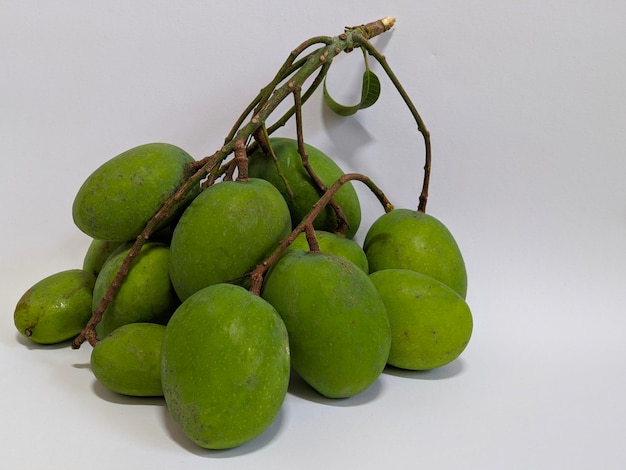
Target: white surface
pixel 527 108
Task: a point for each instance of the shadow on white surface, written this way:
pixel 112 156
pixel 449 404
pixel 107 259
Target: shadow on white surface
pixel 348 136
pixel 299 388
pixel 178 436
pixel 105 394
pixel 35 346
pixel 448 371
pixel 176 432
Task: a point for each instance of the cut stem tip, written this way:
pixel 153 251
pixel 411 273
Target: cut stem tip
pixel 388 22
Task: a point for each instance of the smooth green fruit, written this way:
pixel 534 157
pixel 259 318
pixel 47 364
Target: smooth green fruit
pixel 225 232
pixel 304 192
pixel 116 201
pixel 225 366
pixel 334 244
pixel 146 294
pixel 408 239
pixel 128 361
pixel 56 308
pixel 431 324
pixel 97 253
pixel 99 250
pixel 338 327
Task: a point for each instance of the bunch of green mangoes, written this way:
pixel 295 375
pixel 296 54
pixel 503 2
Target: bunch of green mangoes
pixel 184 324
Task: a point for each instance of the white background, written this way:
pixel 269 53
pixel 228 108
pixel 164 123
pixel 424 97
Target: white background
pixel 526 103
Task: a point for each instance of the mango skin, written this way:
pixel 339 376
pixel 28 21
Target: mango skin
pixel 339 333
pixel 56 308
pixel 334 244
pixel 431 324
pixel 409 239
pixel 116 201
pixel 128 361
pixel 305 193
pixel 97 253
pixel 225 366
pixel 225 232
pixel 146 294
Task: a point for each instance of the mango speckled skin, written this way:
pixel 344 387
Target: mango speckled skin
pixel 409 239
pixel 97 253
pixel 431 324
pixel 225 232
pixel 146 294
pixel 305 193
pixel 128 361
pixel 56 308
pixel 225 366
pixel 334 244
pixel 338 328
pixel 116 201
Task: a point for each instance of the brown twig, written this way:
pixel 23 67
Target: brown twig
pixel 241 160
pixel 342 220
pixel 89 332
pixel 256 276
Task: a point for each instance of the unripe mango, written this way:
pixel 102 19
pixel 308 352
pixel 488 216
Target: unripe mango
pixel 117 200
pixel 97 254
pixel 128 361
pixel 225 232
pixel 338 328
pixel 334 244
pixel 408 239
pixel 225 366
pixel 146 294
pixel 431 324
pixel 56 308
pixel 288 172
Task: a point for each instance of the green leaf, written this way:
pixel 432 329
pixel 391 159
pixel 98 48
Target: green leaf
pixel 370 91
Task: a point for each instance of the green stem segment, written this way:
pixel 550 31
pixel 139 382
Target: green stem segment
pixel 421 126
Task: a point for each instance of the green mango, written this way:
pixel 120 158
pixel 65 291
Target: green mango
pixel 128 360
pixel 304 192
pixel 409 239
pixel 56 308
pixel 431 324
pixel 146 294
pixel 97 253
pixel 338 328
pixel 117 200
pixel 225 232
pixel 224 366
pixel 334 244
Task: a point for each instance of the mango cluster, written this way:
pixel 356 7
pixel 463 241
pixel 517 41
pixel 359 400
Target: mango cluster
pixel 184 324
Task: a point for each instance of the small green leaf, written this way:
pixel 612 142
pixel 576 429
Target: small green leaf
pixel 370 91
